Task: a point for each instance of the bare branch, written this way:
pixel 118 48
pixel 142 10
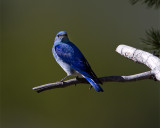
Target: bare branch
pixel 136 55
pixel 140 76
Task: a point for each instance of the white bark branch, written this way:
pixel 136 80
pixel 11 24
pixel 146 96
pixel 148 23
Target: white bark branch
pixel 136 55
pixel 143 57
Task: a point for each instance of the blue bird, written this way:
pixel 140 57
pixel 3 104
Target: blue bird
pixel 70 58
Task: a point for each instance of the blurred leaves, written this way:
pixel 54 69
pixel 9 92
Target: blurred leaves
pixel 150 3
pixel 152 41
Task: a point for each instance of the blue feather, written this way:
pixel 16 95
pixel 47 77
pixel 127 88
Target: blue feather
pixel 70 54
pixel 95 84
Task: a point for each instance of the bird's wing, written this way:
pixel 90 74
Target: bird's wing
pixel 72 55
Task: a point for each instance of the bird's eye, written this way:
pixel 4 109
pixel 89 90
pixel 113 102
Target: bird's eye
pixel 58 35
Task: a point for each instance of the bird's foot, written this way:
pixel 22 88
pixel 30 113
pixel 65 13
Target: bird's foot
pixel 62 81
pixel 154 78
pixel 77 78
pixel 90 88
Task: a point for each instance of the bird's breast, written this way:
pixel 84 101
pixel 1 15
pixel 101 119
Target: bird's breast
pixel 65 66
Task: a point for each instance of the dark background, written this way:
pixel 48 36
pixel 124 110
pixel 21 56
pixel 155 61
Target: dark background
pixel 97 27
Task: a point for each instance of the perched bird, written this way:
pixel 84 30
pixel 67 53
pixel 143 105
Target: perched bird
pixel 70 58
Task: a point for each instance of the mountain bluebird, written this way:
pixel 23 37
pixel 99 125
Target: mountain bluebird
pixel 70 58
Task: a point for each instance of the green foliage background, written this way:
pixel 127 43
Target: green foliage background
pixel 152 41
pixel 97 27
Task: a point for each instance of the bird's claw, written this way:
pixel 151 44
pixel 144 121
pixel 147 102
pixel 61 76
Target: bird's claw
pixel 77 78
pixel 90 88
pixel 62 81
pixel 154 78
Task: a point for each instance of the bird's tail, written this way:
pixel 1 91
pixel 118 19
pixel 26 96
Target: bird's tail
pixel 95 84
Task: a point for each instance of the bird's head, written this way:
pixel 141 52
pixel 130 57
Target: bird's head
pixel 61 37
